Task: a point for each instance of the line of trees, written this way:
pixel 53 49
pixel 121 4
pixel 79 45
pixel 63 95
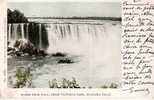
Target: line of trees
pixel 16 16
pixel 75 17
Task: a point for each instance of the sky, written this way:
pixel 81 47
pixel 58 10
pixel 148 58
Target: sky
pixel 68 9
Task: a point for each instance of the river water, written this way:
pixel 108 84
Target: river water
pixel 93 46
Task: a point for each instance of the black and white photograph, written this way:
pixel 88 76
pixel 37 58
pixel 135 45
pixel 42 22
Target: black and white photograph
pixel 64 45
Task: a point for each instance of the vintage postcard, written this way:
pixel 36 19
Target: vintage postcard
pixel 64 45
pixel 77 49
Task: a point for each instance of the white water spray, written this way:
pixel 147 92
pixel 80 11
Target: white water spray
pixel 22 31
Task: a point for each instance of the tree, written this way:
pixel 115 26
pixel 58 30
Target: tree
pixel 16 17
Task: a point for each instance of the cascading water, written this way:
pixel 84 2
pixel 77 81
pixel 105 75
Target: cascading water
pixel 27 31
pixel 15 32
pixel 73 37
pixel 58 34
pixel 95 46
pixel 40 36
pixel 9 32
pixel 12 33
pixel 22 31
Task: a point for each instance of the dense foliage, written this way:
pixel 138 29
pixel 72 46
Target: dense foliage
pixel 16 16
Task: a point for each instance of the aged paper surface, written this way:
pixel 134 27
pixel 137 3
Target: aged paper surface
pixel 137 46
pixel 2 43
pixel 99 76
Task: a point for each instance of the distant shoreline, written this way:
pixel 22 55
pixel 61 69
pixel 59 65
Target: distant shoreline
pixel 87 18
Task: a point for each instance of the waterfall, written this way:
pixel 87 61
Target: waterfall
pixel 57 33
pixel 72 31
pixel 63 37
pixel 34 32
pixel 95 48
pixel 22 31
pixel 40 36
pixel 15 31
pixel 96 45
pixel 27 31
pixel 9 32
